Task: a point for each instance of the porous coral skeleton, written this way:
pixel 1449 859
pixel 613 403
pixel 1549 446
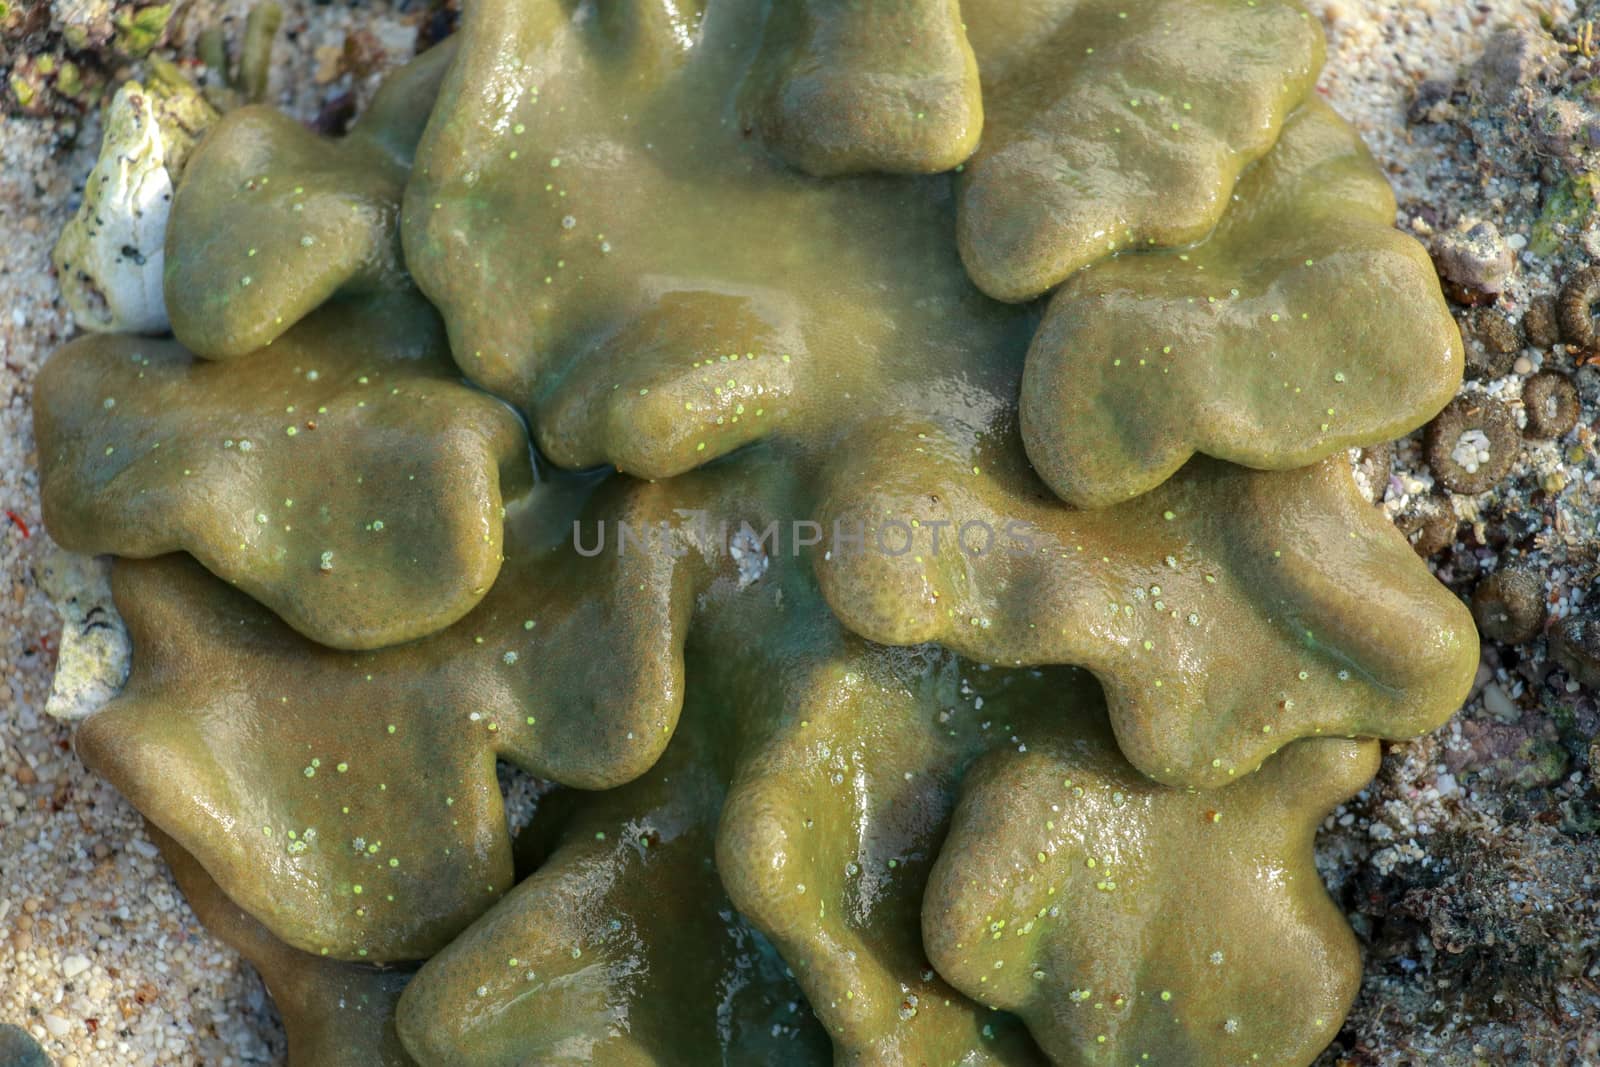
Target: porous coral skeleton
pixel 834 786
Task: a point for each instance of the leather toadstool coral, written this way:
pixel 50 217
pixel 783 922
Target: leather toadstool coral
pixel 855 587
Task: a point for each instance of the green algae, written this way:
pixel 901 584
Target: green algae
pixel 343 477
pixel 138 30
pixel 1565 210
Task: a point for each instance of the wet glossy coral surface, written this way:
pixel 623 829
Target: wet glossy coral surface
pixel 909 688
pixel 343 476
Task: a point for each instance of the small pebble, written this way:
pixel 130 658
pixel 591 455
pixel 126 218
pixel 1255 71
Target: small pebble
pixel 1509 605
pixel 1429 524
pixel 1476 259
pixel 1575 644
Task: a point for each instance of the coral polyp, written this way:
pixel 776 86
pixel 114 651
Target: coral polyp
pixel 652 397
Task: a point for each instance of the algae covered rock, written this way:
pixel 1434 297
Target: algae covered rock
pixel 93 658
pixel 924 675
pixel 110 257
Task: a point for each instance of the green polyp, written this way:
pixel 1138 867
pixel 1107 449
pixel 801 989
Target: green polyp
pixel 335 1014
pixel 885 85
pixel 255 54
pixel 356 416
pixel 1114 126
pixel 1240 346
pixel 23 90
pixel 1226 612
pixel 69 81
pixel 211 48
pixel 305 217
pixel 1129 923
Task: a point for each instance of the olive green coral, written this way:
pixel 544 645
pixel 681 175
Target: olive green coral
pixel 621 946
pixel 1304 324
pixel 1131 924
pixel 658 340
pixel 848 756
pixel 1111 125
pixel 887 85
pixel 272 220
pixel 1227 612
pixel 335 1014
pixel 818 589
pixel 343 476
pixel 304 784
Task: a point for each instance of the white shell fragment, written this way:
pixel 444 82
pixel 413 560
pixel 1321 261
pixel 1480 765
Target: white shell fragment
pixel 109 258
pixel 94 657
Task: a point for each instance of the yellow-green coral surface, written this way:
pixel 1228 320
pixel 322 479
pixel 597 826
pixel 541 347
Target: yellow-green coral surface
pixel 335 1014
pixel 1130 924
pixel 344 477
pixel 1112 125
pixel 924 674
pixel 1325 321
pixel 272 220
